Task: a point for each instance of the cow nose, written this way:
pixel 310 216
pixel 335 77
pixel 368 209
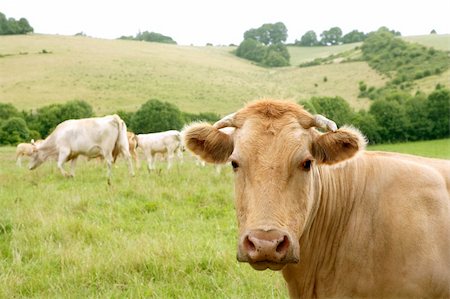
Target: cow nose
pixel 271 246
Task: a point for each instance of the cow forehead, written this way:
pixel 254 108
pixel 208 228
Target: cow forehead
pixel 259 135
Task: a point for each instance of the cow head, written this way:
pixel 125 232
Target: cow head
pixel 275 151
pixel 36 158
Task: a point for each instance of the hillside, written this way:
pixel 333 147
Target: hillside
pixel 36 70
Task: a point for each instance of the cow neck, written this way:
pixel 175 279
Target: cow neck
pixel 48 147
pixel 335 192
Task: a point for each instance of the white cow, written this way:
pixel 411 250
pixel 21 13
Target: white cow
pixel 91 137
pixel 25 149
pixel 166 143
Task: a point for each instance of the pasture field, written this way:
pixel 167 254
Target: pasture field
pixel 38 70
pixel 433 148
pixel 168 234
pixel 165 234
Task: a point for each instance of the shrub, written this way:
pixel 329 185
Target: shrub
pixel 156 116
pixel 13 131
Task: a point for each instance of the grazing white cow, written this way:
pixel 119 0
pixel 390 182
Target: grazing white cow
pixel 166 143
pixel 91 137
pixel 25 149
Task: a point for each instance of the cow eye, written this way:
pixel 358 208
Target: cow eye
pixel 235 165
pixel 306 165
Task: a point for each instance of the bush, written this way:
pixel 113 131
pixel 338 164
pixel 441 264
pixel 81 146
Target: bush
pixel 335 108
pixel 7 111
pixel 391 117
pixel 252 50
pixel 156 116
pixel 438 107
pixel 13 131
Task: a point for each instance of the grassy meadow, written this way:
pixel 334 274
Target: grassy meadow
pixel 166 234
pixel 37 70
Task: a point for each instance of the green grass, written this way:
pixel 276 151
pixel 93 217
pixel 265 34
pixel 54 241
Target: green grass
pixel 166 234
pixel 170 234
pixel 434 148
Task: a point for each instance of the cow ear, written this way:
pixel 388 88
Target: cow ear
pixel 208 142
pixel 334 147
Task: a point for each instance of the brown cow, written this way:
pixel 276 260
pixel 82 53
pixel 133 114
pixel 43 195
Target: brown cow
pixel 338 221
pixel 132 146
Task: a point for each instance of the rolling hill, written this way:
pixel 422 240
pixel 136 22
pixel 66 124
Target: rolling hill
pixel 37 70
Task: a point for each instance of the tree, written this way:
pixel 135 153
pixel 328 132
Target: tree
pixel 335 108
pixel 331 36
pixel 75 110
pixel 354 36
pixel 268 33
pixel 309 39
pixel 391 118
pixel 438 107
pixel 156 116
pixel 251 49
pixel 277 55
pixel 7 111
pixel 11 26
pixel 13 131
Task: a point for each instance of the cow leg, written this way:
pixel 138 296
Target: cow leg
pixel 180 155
pixel 109 162
pixel 19 160
pixel 136 158
pixel 73 163
pixel 127 156
pixel 170 156
pixel 150 162
pixel 62 158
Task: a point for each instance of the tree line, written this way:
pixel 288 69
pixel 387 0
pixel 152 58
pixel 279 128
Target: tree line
pixel 396 117
pixel 11 26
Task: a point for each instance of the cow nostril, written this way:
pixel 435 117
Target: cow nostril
pixel 283 246
pixel 248 245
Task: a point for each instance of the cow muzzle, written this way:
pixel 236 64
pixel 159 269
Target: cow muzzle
pixel 271 249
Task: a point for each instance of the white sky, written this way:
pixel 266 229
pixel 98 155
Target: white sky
pixel 224 22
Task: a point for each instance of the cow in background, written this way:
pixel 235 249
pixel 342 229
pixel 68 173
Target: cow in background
pixel 338 221
pixel 90 137
pixel 132 147
pixel 166 143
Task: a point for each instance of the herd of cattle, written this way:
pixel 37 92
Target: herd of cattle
pixel 100 137
pixel 338 221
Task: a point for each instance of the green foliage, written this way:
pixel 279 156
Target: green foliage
pixel 277 55
pixel 265 45
pixel 251 49
pixel 438 108
pixel 156 116
pixel 309 39
pixel 391 117
pixel 13 131
pixel 368 125
pixel 268 34
pixel 126 116
pixel 7 111
pixel 151 37
pixel 48 117
pixel 400 60
pixel 354 36
pixel 331 37
pixel 11 26
pixel 335 108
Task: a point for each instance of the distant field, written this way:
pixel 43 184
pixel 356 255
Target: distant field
pixel 432 148
pixel 440 42
pixel 37 70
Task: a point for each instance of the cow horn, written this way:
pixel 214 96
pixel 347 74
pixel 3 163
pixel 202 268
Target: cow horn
pixel 226 121
pixel 321 121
